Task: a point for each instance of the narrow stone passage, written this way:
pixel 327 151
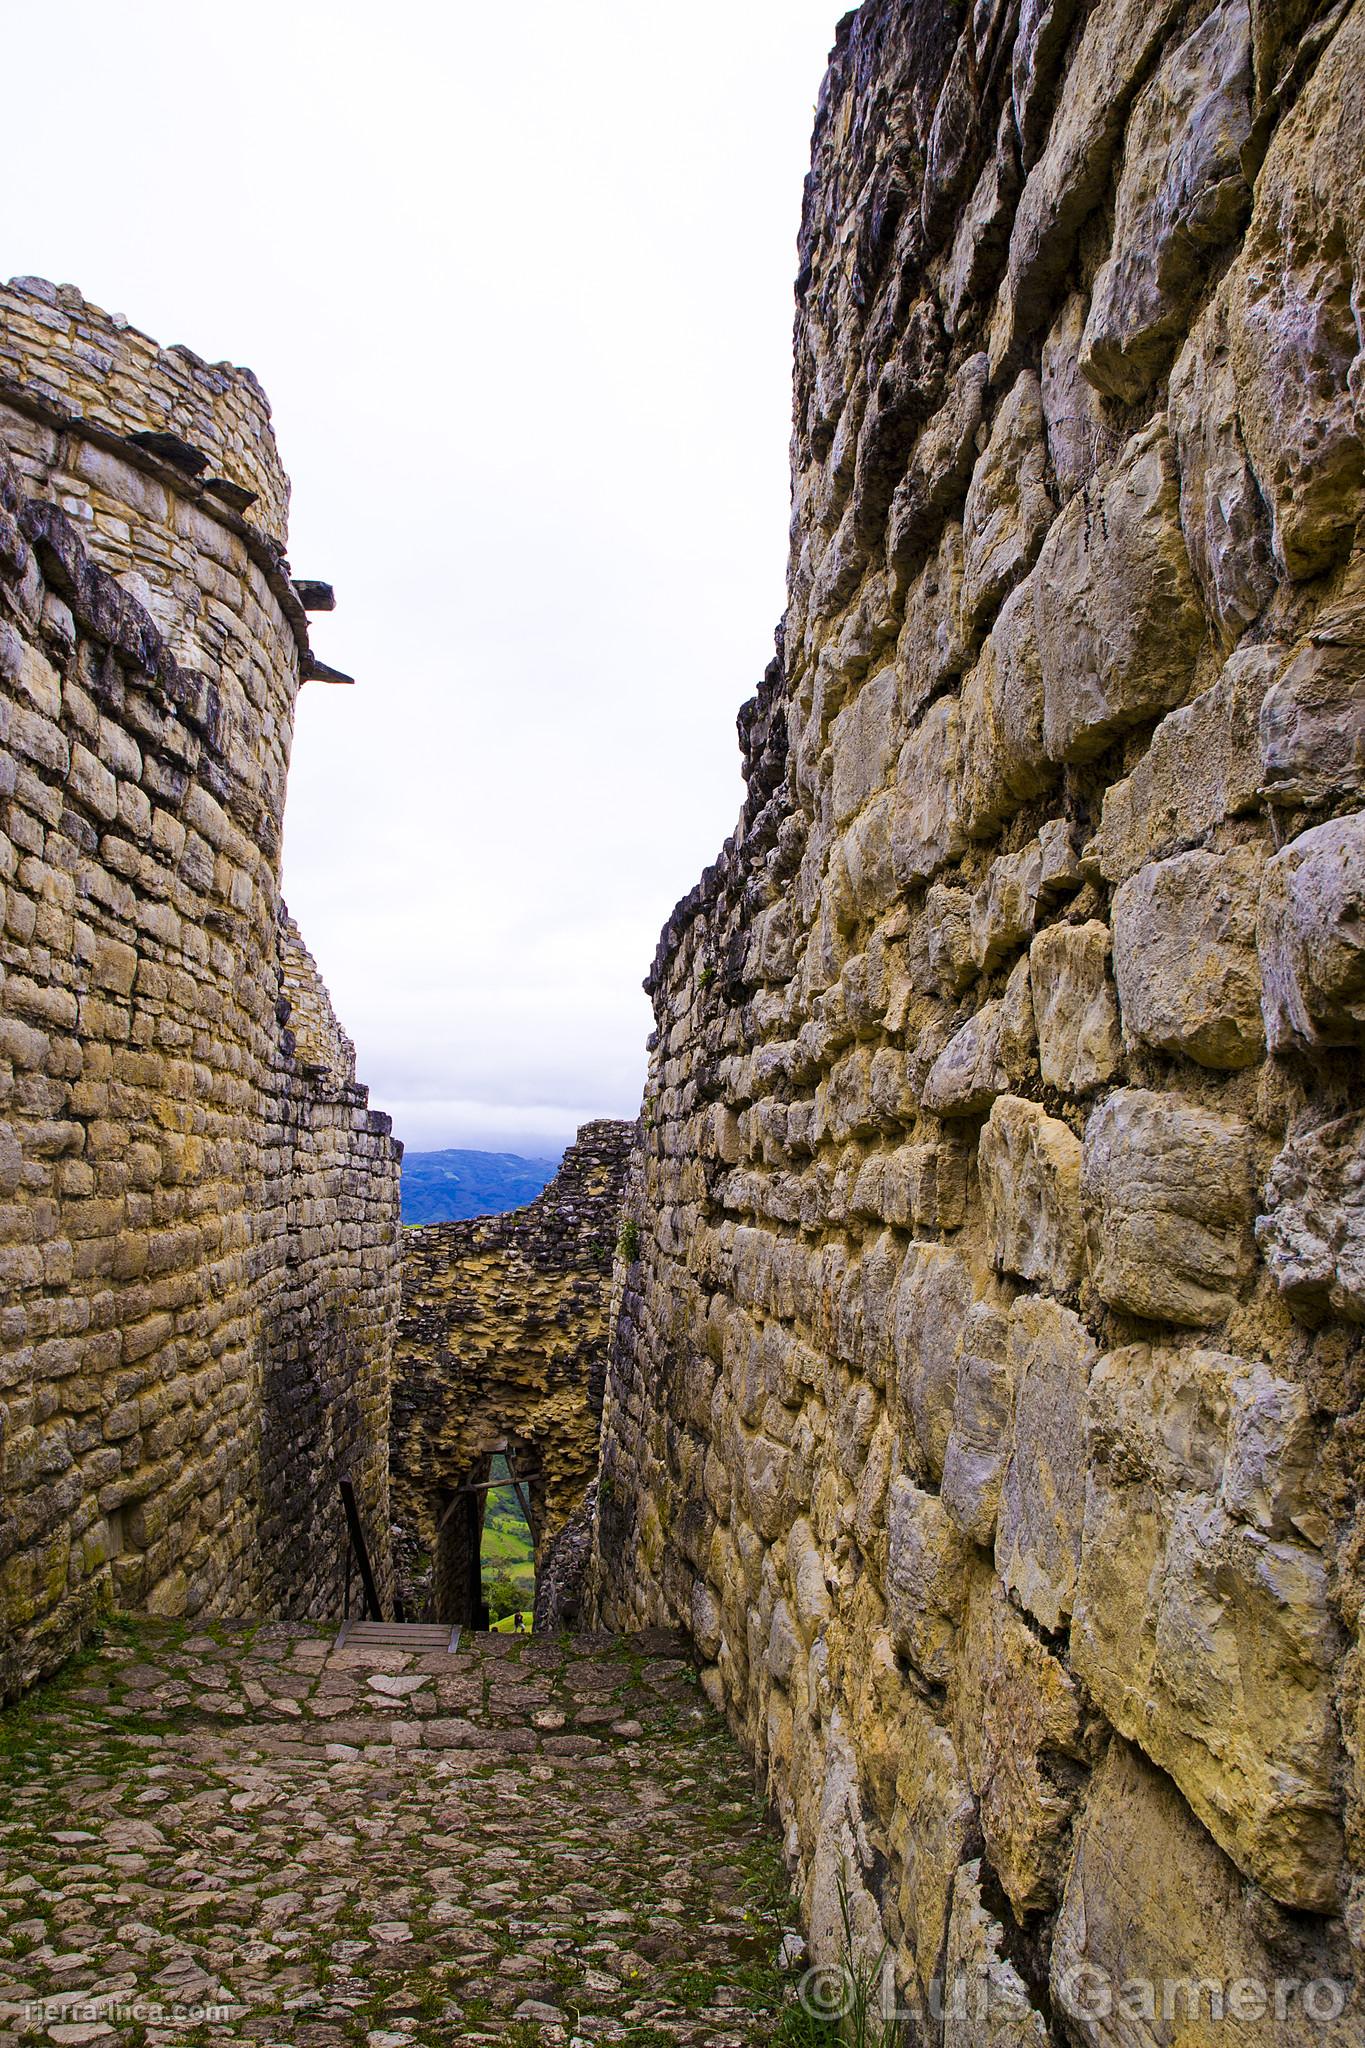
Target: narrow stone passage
pixel 531 1841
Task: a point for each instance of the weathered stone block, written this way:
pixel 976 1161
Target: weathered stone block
pixel 952 958
pixel 1016 1722
pixel 1313 716
pixel 928 825
pixel 864 742
pixel 932 1823
pixel 1069 176
pixel 1221 511
pixel 982 236
pixel 986 2002
pixel 1157 1941
pixel 1312 1235
pixel 1182 191
pixel 866 851
pixel 1038 44
pixel 1167 1193
pixel 1185 956
pixel 926 1579
pixel 1008 508
pixel 1080 436
pixel 979 1440
pixel 936 1293
pixel 939 467
pixel 1003 762
pixel 1119 620
pixel 810 1598
pixel 1294 333
pixel 1202 1638
pixel 987 1056
pixel 926 1184
pixel 1030 1168
pixel 1203 765
pixel 1074 1007
pixel 930 650
pixel 1006 908
pixel 1042 1501
pixel 1311 936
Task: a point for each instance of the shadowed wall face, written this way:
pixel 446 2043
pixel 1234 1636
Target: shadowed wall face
pixel 503 1343
pixel 986 1394
pixel 199 1247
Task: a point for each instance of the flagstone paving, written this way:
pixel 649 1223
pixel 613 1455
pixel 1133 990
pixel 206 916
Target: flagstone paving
pixel 532 1841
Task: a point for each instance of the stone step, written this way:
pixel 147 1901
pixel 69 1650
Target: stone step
pixel 430 1638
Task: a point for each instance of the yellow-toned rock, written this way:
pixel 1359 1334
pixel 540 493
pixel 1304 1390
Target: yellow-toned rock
pixel 1119 619
pixel 1042 1499
pixel 1168 1204
pixel 1079 1045
pixel 1204 1637
pixel 1030 1168
pixel 1185 956
pixel 1016 1720
pixel 1158 1942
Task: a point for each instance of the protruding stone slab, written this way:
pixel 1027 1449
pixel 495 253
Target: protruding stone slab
pixel 1294 332
pixel 936 1293
pixel 1182 191
pixel 1312 723
pixel 986 2003
pixel 1008 508
pixel 926 1579
pixel 1203 765
pixel 979 1441
pixel 1016 1719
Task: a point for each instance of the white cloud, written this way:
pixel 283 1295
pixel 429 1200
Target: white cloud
pixel 518 282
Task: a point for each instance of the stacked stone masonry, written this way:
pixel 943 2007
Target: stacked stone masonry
pixel 503 1344
pixel 986 1388
pixel 198 1211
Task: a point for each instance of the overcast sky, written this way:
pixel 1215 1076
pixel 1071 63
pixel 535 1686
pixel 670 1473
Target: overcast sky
pixel 518 281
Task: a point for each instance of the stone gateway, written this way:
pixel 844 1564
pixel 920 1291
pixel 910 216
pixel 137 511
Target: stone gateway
pixel 502 1347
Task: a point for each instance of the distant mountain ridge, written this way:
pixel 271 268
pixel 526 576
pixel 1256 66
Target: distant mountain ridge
pixel 443 1187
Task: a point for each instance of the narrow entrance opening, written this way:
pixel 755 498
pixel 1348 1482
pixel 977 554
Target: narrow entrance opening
pixel 483 1565
pixel 507 1560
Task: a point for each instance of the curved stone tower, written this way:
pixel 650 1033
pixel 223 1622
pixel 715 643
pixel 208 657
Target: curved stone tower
pixel 199 1248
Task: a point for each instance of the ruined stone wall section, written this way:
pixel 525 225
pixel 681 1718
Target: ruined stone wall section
pixel 199 1236
pixel 504 1338
pixel 319 1044
pixel 986 1389
pixel 56 346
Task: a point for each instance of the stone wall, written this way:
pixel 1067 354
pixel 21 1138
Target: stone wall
pixel 198 1211
pixel 503 1342
pixel 985 1393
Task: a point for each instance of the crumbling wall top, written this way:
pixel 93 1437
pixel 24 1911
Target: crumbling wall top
pixel 95 366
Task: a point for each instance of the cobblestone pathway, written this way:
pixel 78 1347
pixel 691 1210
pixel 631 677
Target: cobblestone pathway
pixel 530 1842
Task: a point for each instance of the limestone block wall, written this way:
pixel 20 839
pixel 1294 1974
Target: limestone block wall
pixel 503 1340
pixel 198 1222
pixel 985 1393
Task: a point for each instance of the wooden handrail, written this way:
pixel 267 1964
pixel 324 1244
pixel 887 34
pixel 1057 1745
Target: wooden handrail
pixel 356 1534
